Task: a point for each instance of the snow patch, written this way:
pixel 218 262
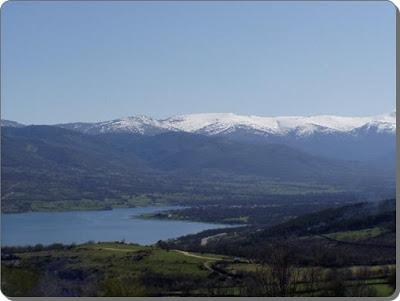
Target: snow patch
pixel 220 123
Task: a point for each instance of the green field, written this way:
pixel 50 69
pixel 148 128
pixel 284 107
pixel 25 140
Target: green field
pixel 119 269
pixel 357 235
pixel 126 201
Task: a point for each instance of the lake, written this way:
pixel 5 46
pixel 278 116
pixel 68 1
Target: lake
pixel 81 226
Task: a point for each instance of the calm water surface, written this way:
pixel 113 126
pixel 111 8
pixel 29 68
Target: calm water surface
pixel 82 226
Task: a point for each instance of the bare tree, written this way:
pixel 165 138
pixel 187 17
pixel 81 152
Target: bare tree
pixel 312 277
pixel 278 274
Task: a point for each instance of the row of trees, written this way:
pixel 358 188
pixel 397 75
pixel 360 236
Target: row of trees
pixel 280 275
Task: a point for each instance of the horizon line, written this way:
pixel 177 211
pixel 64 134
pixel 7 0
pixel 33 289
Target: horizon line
pixel 205 113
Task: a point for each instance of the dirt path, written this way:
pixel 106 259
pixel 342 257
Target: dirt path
pixel 116 249
pixel 196 256
pixel 208 265
pixel 205 240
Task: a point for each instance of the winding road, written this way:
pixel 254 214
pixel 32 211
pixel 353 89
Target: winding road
pixel 207 264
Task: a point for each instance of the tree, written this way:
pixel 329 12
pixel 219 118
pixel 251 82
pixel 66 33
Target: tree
pixel 162 245
pixel 312 276
pixel 278 273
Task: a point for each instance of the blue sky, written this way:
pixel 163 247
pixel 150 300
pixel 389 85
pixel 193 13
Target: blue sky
pixel 92 61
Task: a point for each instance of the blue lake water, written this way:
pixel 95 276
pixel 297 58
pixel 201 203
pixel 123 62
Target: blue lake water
pixel 81 226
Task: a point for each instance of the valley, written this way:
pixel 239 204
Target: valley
pixel 199 149
pixel 200 205
pixel 123 164
pixel 351 254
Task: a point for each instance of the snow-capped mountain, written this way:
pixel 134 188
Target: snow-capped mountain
pixel 227 123
pixel 349 138
pixel 135 125
pixel 214 124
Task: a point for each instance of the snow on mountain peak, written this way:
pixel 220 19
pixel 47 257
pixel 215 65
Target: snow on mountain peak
pixel 215 123
pixel 219 122
pixel 223 123
pixel 132 124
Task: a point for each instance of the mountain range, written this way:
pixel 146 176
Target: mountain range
pixel 223 123
pixel 228 123
pixel 206 154
pixel 348 138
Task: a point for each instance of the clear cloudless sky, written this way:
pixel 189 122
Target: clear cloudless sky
pixel 93 61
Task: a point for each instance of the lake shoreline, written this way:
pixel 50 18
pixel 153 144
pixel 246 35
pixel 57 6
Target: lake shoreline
pixel 88 209
pixel 102 225
pixel 162 217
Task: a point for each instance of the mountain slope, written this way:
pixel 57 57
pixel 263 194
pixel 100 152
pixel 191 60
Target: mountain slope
pixel 347 138
pixel 10 123
pixel 36 147
pixel 133 125
pixel 342 236
pixel 195 153
pixel 45 163
pixel 220 123
pixel 52 163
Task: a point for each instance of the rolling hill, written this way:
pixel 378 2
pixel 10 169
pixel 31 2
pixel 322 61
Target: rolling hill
pixel 346 138
pixel 50 163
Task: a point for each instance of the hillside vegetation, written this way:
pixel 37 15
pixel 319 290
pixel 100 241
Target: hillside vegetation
pixel 42 164
pixel 343 251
